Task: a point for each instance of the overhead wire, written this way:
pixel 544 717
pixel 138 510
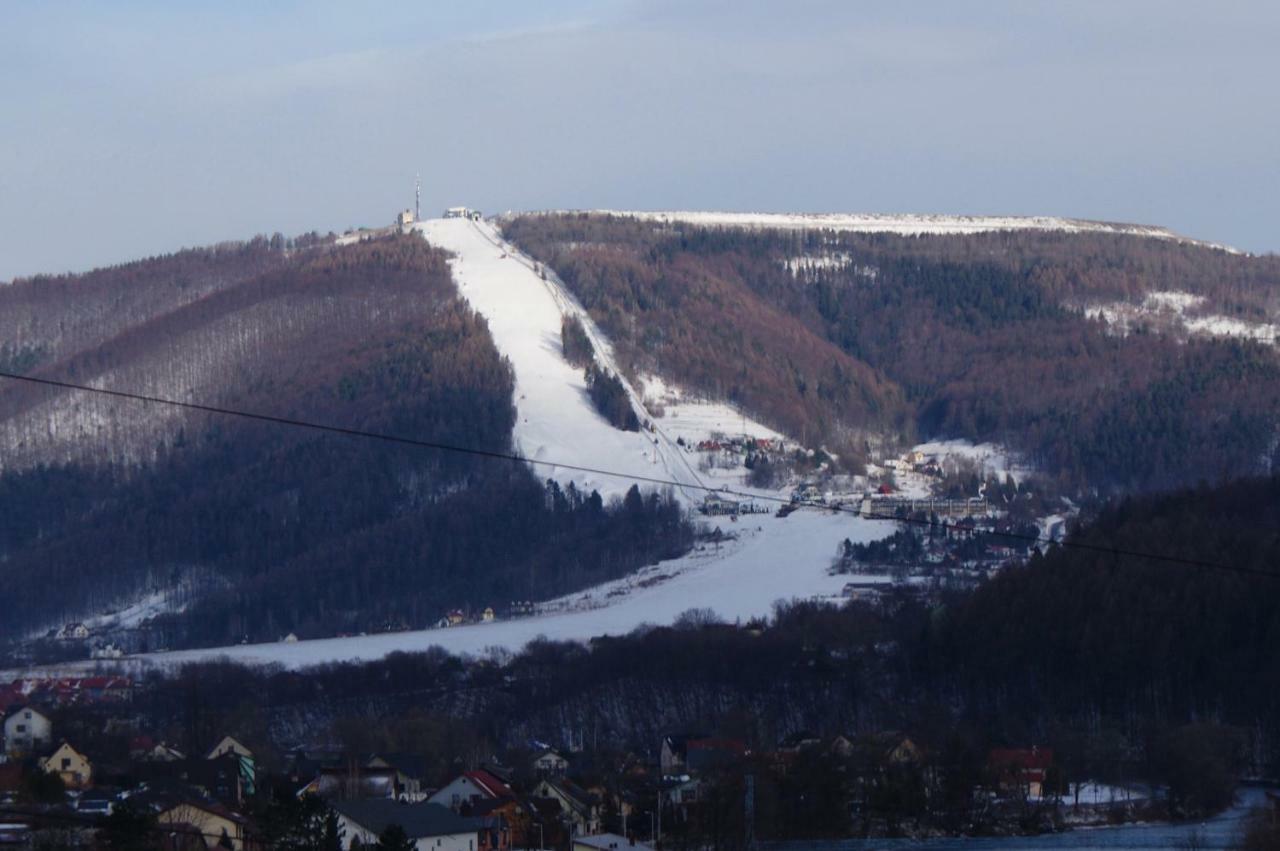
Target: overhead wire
pixel 514 457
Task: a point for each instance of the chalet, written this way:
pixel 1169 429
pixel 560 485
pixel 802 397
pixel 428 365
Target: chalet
pixel 219 826
pixel 408 770
pixel 69 764
pixel 25 731
pixel 607 842
pixel 488 616
pixel 74 631
pixel 579 810
pixel 469 787
pixel 549 763
pixel 1021 771
pixel 229 745
pixel 428 826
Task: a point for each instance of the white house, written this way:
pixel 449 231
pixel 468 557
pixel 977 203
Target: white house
pixel 479 785
pixel 549 763
pixel 430 827
pixel 25 731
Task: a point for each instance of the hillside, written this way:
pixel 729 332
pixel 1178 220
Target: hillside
pixel 250 530
pixel 989 336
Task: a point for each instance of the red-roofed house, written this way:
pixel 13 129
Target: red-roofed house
pixel 1021 770
pixel 469 787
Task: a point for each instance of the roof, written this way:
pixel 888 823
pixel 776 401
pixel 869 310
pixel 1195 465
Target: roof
pixel 1021 758
pixel 207 807
pixel 418 820
pixel 577 797
pixel 609 842
pixel 489 783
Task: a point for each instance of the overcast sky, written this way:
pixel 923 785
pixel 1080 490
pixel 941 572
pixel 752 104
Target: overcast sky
pixel 134 128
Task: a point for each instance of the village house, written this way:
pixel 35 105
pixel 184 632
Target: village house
pixel 548 763
pixel 219 826
pixel 228 745
pixel 469 787
pixel 579 810
pixel 408 771
pixel 488 615
pixel 74 631
pixel 1021 772
pixel 26 731
pixel 430 827
pixel 69 764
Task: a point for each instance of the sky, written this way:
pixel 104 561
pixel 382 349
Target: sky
pixel 134 128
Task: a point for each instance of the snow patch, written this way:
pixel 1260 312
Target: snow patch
pixel 1169 311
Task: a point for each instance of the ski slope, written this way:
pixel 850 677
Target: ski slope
pixel 771 559
pixel 556 424
pixel 905 224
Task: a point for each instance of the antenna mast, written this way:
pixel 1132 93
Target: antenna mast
pixel 417 198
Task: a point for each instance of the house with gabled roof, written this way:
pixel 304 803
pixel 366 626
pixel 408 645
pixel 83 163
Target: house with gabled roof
pixel 430 827
pixel 469 787
pixel 218 825
pixel 73 767
pixel 26 730
pixel 579 809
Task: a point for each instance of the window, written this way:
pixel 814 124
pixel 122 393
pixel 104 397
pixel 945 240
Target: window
pixel 66 763
pixel 22 728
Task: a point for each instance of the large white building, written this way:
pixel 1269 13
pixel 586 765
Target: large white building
pixel 27 731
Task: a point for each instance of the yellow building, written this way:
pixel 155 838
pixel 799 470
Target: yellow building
pixel 72 766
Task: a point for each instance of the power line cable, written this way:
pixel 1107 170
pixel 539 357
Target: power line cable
pixel 633 477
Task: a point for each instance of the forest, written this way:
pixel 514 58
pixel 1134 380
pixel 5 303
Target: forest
pixel 266 530
pixel 1130 670
pixel 832 336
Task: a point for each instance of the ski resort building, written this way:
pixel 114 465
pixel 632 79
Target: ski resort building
pixel 462 213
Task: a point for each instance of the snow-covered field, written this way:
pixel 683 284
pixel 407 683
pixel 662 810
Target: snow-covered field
pixel 771 559
pixel 905 224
